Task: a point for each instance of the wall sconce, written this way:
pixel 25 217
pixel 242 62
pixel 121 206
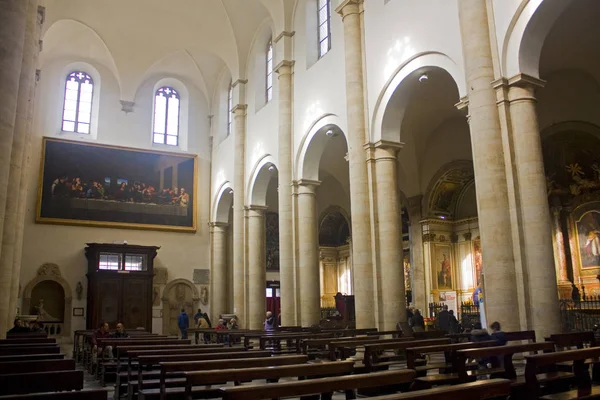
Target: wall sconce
pixel 79 290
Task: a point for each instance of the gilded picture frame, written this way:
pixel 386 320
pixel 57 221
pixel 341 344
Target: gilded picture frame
pixel 98 185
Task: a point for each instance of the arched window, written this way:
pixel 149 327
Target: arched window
pixel 269 71
pixel 166 116
pixel 324 21
pixel 77 110
pixel 229 108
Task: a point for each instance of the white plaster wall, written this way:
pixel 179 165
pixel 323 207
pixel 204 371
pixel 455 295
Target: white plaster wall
pixel 64 245
pixel 401 29
pixel 319 87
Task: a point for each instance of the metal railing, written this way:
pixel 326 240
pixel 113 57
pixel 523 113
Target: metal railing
pixel 468 314
pixel 579 315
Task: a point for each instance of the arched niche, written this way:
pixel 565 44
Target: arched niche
pixel 51 272
pixel 177 294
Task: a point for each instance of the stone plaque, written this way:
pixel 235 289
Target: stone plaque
pixel 160 276
pixel 201 276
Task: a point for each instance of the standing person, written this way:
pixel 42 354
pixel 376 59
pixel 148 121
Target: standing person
pixel 183 321
pixel 417 323
pixel 269 322
pixel 443 319
pixel 205 315
pixel 121 332
pixel 197 316
pixel 454 326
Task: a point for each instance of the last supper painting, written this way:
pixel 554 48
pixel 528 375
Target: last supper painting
pixel 107 186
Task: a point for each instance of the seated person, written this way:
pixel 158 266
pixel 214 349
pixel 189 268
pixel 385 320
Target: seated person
pixel 497 334
pixel 121 332
pixel 232 324
pixel 18 327
pixel 221 326
pixel 478 334
pixel 101 333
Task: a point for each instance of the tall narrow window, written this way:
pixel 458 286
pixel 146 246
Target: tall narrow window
pixel 229 108
pixel 324 19
pixel 77 110
pixel 269 71
pixel 166 116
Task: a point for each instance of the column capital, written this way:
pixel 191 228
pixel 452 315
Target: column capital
pixel 218 226
pixel 526 81
pixel 239 82
pixel 415 206
pixel 284 34
pixel 41 15
pixel 240 109
pixel 255 210
pixel 348 7
pixel 284 67
pixel 307 186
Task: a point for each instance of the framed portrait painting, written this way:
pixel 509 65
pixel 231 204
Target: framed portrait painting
pixel 109 186
pixel 443 271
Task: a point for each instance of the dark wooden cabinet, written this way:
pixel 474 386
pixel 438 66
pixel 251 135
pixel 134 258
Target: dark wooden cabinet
pixel 120 284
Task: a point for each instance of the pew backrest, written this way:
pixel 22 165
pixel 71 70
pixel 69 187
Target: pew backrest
pixel 27 340
pixel 480 390
pixel 32 357
pixel 19 367
pixel 572 339
pixel 20 350
pixel 38 382
pixel 94 394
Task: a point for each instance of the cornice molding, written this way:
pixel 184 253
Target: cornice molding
pixel 284 34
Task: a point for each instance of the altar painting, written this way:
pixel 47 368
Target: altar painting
pixel 442 267
pixel 588 235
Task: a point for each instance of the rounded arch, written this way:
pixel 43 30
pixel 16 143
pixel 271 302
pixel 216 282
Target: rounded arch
pixel 174 282
pixel 261 175
pixel 526 34
pixel 51 272
pixel 171 308
pixel 388 113
pixel 446 188
pixel 334 227
pixel 313 144
pixel 222 203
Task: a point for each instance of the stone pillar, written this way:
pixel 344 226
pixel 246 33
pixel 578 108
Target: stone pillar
pixel 15 204
pixel 389 224
pixel 257 272
pixel 417 263
pixel 308 246
pixel 534 210
pixel 220 289
pixel 286 259
pixel 501 299
pixel 239 304
pixel 13 24
pixel 364 281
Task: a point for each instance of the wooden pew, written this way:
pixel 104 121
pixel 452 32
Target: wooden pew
pixel 20 367
pixel 373 360
pixel 415 354
pixel 292 340
pixel 569 340
pixel 319 347
pixel 480 390
pixel 32 357
pixel 346 347
pixel 520 335
pixel 96 394
pixel 549 362
pixel 38 382
pixel 325 386
pixel 174 385
pixel 16 335
pixel 172 363
pixel 22 340
pixel 131 355
pixel 300 371
pixel 20 350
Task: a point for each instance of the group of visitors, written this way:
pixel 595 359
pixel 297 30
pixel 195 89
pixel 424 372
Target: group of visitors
pixel 20 326
pixel 202 321
pixel 103 332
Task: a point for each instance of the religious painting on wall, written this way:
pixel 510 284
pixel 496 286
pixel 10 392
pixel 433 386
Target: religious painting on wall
pixel 272 241
pixel 477 261
pixel 407 275
pixel 109 186
pixel 588 235
pixel 442 267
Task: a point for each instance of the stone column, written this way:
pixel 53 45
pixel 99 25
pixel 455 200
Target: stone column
pixel 308 246
pixel 417 263
pixel 13 23
pixel 257 272
pixel 238 211
pixel 389 224
pixel 220 289
pixel 535 213
pixel 15 205
pixel 501 300
pixel 351 11
pixel 286 266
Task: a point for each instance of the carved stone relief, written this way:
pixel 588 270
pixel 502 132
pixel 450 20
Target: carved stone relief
pixel 161 276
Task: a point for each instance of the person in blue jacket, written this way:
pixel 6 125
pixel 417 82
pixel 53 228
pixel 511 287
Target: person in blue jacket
pixel 183 322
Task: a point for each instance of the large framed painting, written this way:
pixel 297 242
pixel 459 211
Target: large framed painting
pixel 443 271
pixel 108 186
pixel 588 236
